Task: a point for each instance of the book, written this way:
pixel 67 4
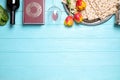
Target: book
pixel 34 12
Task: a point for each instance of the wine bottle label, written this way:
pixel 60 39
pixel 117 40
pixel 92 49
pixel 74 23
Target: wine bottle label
pixel 13 1
pixel 33 12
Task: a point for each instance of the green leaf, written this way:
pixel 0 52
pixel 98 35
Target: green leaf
pixel 3 16
pixel 68 1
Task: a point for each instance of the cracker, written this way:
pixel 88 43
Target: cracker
pixel 84 15
pixel 90 11
pixel 109 12
pixel 106 7
pixel 95 7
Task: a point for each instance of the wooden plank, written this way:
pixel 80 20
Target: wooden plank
pixel 63 59
pixel 59 31
pixel 65 73
pixel 66 66
pixel 58 45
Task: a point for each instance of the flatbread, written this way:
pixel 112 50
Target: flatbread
pixel 90 11
pixel 98 8
pixel 84 15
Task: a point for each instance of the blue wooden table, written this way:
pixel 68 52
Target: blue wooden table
pixel 55 52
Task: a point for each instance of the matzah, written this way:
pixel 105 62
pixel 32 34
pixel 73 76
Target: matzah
pixel 90 11
pixel 84 14
pixel 98 9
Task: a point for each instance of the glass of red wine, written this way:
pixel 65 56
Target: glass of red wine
pixel 54 14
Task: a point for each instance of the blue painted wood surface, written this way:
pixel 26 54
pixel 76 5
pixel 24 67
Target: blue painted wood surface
pixel 55 52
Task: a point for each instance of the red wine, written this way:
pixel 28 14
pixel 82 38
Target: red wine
pixel 54 15
pixel 12 5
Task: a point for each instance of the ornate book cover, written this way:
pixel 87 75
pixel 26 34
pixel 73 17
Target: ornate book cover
pixel 34 11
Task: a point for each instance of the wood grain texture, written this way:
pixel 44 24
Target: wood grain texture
pixel 55 52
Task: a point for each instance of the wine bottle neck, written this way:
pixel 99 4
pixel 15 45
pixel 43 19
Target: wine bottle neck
pixel 12 15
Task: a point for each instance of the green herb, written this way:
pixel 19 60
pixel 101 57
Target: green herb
pixel 3 16
pixel 68 1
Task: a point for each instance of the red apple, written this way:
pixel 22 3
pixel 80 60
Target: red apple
pixel 69 21
pixel 80 5
pixel 78 17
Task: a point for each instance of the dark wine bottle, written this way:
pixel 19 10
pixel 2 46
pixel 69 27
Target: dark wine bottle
pixel 12 5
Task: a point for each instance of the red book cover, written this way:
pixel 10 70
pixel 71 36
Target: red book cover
pixel 34 11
